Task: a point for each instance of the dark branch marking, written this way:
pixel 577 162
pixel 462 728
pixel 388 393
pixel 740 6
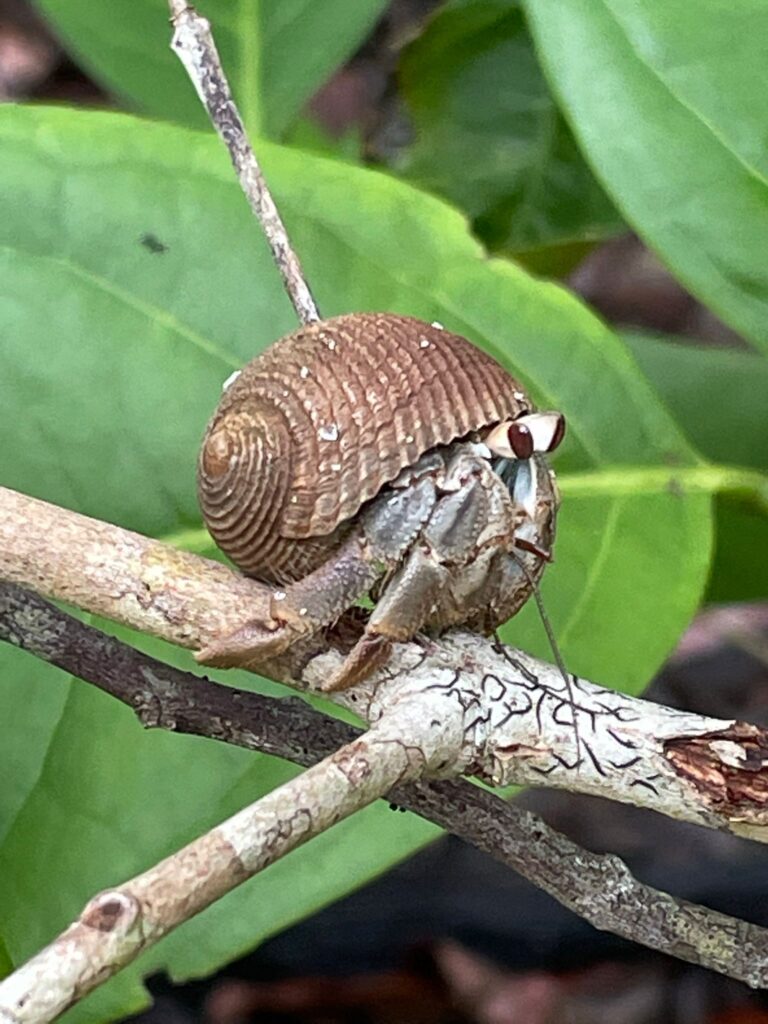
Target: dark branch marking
pixel 648 785
pixel 559 708
pixel 502 686
pixel 539 705
pixel 578 682
pixel 594 759
pixel 625 715
pixel 513 712
pixel 523 684
pixel 562 761
pixel 445 686
pixel 480 720
pixel 629 744
pixel 620 766
pixel 525 672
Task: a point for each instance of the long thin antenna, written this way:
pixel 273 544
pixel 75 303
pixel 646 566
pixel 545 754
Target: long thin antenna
pixel 555 650
pixel 193 44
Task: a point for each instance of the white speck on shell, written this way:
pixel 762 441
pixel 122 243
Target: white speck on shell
pixel 303 611
pixel 231 379
pixel 279 595
pixel 437 325
pixel 519 395
pixel 328 432
pixel 409 438
pixel 335 467
pixel 304 372
pixel 331 344
pixel 424 342
pixel 294 499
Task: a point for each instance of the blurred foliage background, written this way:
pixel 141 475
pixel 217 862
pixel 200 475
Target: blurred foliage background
pixel 579 187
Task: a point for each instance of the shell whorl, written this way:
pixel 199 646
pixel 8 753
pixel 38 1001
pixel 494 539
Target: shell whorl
pixel 314 427
pixel 244 480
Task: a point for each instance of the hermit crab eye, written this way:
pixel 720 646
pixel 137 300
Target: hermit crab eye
pixel 533 432
pixel 520 439
pixel 557 423
pixel 546 428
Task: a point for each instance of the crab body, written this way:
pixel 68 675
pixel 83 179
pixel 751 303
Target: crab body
pixel 405 465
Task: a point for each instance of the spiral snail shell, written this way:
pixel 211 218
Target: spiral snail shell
pixel 316 425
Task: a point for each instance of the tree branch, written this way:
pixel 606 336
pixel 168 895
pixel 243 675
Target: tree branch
pixel 193 44
pixel 118 925
pixel 164 697
pixel 511 710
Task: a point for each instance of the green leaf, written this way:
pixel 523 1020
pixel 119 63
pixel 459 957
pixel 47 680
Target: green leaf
pixel 276 55
pixel 133 279
pixel 721 84
pixel 6 964
pixel 718 398
pixel 489 136
pixel 740 570
pixel 648 88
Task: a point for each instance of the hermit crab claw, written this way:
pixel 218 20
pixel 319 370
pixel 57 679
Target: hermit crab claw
pixel 520 438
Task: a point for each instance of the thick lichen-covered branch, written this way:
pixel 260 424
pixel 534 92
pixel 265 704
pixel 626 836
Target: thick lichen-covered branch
pixel 512 710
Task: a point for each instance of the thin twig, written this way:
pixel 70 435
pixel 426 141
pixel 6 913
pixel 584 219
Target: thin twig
pixel 193 43
pixel 598 887
pixel 120 923
pixel 164 697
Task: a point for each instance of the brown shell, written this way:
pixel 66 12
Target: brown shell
pixel 322 419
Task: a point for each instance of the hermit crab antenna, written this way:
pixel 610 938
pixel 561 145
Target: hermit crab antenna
pixel 556 653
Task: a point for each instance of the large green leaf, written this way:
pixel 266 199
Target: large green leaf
pixel 672 119
pixel 276 54
pixel 133 280
pixel 718 396
pixel 719 399
pixel 721 83
pixel 489 135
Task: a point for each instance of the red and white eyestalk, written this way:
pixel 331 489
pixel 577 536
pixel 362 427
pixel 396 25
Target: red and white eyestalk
pixel 533 432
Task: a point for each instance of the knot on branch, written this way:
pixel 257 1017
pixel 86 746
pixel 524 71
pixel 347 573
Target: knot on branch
pixel 111 911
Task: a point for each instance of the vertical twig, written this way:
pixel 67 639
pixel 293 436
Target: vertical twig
pixel 193 43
